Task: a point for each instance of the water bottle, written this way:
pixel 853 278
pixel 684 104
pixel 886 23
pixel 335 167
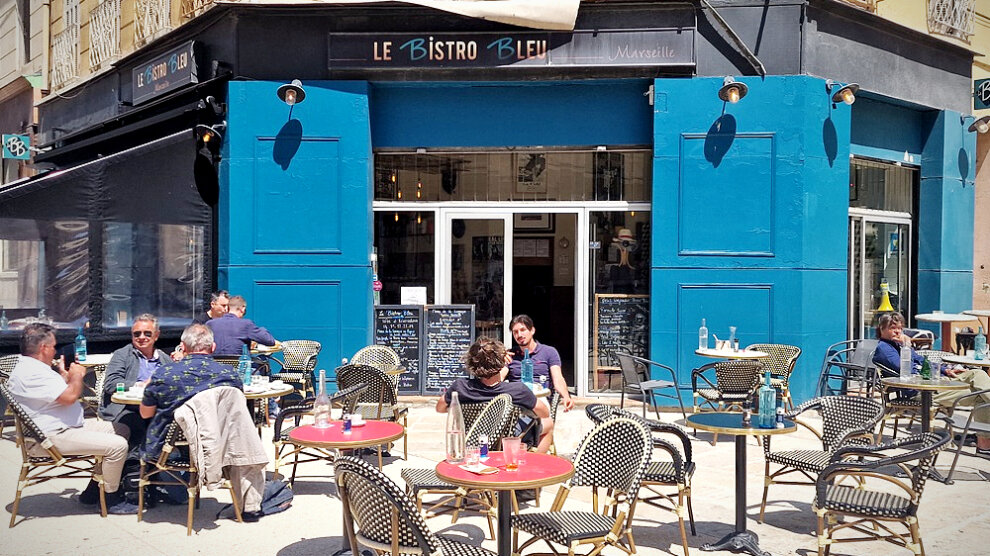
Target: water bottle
pixel 80 345
pixel 455 431
pixel 979 345
pixel 780 417
pixel 526 370
pixel 483 447
pixel 747 411
pixel 244 365
pixel 768 404
pixel 926 369
pixel 733 342
pixel 906 362
pixel 703 336
pixel 321 406
pixel 3 319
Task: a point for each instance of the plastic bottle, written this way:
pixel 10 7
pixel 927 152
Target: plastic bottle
pixel 703 336
pixel 244 365
pixel 321 406
pixel 780 417
pixel 454 431
pixel 80 345
pixel 926 369
pixel 768 403
pixel 3 319
pixel 747 411
pixel 526 370
pixel 979 344
pixel 906 362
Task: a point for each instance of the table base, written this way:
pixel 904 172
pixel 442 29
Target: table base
pixel 737 542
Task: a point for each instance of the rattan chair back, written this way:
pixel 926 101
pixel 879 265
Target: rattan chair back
pixel 596 463
pixel 380 357
pixel 300 355
pixel 379 397
pixel 737 377
pixel 7 364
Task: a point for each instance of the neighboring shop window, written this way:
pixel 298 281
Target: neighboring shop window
pixel 44 272
pixel 613 175
pixel 405 244
pixel 151 268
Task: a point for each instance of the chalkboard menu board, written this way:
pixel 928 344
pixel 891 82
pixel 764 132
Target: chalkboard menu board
pixel 449 334
pixel 622 321
pixel 400 327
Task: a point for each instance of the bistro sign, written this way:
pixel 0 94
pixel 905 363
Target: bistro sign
pixel 163 74
pixel 659 47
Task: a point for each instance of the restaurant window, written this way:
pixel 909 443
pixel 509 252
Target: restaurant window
pixel 405 244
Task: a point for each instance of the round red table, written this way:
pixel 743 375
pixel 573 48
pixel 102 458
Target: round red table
pixel 540 470
pixel 372 433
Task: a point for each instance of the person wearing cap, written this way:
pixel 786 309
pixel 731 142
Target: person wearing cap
pixel 621 276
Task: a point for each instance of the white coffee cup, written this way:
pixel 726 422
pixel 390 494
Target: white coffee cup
pixel 357 419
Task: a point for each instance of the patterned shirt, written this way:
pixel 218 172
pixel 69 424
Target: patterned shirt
pixel 175 383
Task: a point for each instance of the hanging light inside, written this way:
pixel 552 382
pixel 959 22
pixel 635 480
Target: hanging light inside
pixel 396 217
pixel 419 218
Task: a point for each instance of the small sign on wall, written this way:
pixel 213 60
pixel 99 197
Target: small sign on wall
pixel 981 94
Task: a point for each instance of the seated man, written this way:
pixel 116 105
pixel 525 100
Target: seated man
pixel 132 364
pixel 218 307
pixel 232 331
pixel 486 360
pixel 177 382
pixel 52 400
pixel 888 353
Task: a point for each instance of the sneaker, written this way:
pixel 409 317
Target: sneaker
pixel 970 439
pixel 117 504
pixel 90 496
pixel 250 517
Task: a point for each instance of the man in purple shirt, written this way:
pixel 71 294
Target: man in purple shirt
pixel 546 360
pixel 232 331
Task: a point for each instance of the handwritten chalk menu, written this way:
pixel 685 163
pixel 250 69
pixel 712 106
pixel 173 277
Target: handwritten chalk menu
pixel 400 327
pixel 449 334
pixel 622 321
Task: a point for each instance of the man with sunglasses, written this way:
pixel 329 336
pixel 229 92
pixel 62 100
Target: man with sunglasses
pixel 132 364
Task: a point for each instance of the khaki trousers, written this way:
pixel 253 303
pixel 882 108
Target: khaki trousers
pixel 97 438
pixel 248 482
pixel 978 380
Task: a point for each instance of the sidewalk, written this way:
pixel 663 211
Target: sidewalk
pixel 954 519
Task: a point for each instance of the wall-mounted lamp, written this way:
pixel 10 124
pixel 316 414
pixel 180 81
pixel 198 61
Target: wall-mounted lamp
pixel 732 90
pixel 846 93
pixel 981 125
pixel 291 93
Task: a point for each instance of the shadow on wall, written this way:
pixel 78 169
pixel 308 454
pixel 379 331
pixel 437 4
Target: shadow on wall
pixel 287 143
pixel 830 140
pixel 963 165
pixel 720 137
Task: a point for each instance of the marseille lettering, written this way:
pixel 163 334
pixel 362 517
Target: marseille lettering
pixel 434 50
pixel 624 52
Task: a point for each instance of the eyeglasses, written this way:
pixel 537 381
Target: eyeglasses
pixel 145 333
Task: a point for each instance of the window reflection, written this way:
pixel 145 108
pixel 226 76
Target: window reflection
pixel 405 245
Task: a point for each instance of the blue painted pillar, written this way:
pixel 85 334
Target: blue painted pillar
pixel 750 211
pixel 945 216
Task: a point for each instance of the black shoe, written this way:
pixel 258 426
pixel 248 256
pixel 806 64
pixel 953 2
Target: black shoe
pixel 90 496
pixel 117 504
pixel 250 517
pixel 969 441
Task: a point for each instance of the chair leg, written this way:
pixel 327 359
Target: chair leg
pixel 821 534
pixel 766 487
pixel 236 504
pixel 193 495
pixel 17 497
pixel 680 520
pixel 694 532
pixel 919 547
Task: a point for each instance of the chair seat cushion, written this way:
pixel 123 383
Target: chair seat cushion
pixel 564 527
pixel 450 547
pixel 866 502
pixel 714 395
pixel 420 479
pixel 813 461
pixel 664 472
pixel 655 384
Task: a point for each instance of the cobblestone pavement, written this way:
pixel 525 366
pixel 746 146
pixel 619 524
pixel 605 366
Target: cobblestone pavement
pixel 954 519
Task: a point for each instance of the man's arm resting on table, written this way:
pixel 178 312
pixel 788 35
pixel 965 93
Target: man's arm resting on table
pixel 74 381
pixel 147 411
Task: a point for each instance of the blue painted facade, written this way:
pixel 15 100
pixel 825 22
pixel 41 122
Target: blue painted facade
pixel 750 200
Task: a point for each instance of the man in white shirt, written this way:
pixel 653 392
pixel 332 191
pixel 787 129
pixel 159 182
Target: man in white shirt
pixel 51 399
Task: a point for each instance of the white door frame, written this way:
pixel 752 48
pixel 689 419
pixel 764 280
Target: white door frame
pixel 884 217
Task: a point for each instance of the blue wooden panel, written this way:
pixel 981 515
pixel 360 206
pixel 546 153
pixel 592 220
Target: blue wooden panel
pixel 303 195
pixel 705 185
pixel 599 112
pixel 887 131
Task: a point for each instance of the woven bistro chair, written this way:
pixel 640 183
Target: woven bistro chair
pixel 897 406
pixel 597 466
pixel 780 362
pixel 383 358
pixel 493 419
pixel 7 364
pixel 386 518
pixel 41 461
pixel 298 362
pixel 286 448
pixel 964 421
pixel 92 398
pixel 260 406
pixel 381 399
pixel 879 499
pixel 179 470
pixel 636 373
pixel 845 420
pixel 675 471
pixel 735 382
pixel 847 363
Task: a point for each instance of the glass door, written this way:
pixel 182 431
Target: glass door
pixel 473 270
pixel 879 250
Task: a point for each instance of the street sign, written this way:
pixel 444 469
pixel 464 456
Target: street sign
pixel 17 147
pixel 981 94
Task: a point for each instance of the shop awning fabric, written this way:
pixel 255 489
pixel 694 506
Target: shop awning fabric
pixel 551 15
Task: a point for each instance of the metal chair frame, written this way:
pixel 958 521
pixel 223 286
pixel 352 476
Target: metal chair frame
pixel 848 361
pixel 637 373
pixel 957 420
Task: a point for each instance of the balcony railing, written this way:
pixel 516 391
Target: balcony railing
pixel 104 33
pixel 192 8
pixel 152 19
pixel 868 5
pixel 953 18
pixel 65 56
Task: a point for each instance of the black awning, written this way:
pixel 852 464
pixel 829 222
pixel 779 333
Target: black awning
pixel 149 183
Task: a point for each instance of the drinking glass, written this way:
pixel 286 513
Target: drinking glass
pixel 523 450
pixel 121 387
pixel 732 337
pixel 261 380
pixel 510 448
pixel 472 455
